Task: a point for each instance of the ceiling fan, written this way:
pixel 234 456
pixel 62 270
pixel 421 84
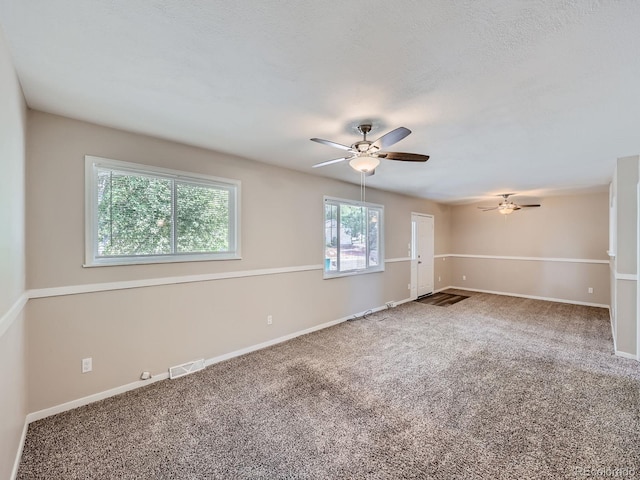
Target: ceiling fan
pixel 364 156
pixel 506 206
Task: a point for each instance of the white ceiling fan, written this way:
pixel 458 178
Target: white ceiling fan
pixel 506 206
pixel 364 155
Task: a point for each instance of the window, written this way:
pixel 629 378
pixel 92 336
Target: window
pixel 353 237
pixel 141 214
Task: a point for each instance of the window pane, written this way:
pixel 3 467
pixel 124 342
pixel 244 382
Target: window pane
pixel 353 237
pixel 374 243
pixel 134 214
pixel 330 237
pixel 353 246
pixel 203 218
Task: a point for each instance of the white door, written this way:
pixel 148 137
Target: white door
pixel 421 255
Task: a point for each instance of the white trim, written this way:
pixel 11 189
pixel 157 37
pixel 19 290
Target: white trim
pixel 529 259
pixel 338 202
pixel 399 259
pixel 10 315
pixel 63 407
pixel 626 355
pixel 16 462
pixel 626 276
pixel 443 288
pixel 152 282
pixel 275 341
pixel 534 297
pixel 613 333
pixel 92 163
pixel 406 300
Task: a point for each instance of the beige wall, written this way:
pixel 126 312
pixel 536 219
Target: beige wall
pixel 152 328
pixel 552 280
pixel 13 402
pixel 127 331
pixel 626 192
pixel 624 267
pixel 281 209
pixel 565 227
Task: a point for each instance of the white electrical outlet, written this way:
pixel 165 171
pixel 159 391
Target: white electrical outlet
pixel 87 365
pixel 590 289
pixel 439 278
pixel 145 376
pixel 464 277
pixel 269 319
pixel 408 286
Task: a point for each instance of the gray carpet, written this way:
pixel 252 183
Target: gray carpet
pixel 489 388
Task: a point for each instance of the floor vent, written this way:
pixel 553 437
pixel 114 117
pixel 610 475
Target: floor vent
pixel 186 368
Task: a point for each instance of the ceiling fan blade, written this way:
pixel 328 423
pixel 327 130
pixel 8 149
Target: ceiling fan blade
pixel 330 162
pixel 331 144
pixel 486 209
pixel 528 206
pixel 390 138
pixel 404 157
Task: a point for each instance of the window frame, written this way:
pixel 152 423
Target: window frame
pixel 92 163
pixel 362 271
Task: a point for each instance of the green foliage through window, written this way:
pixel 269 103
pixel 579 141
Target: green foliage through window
pixel 353 237
pixel 141 214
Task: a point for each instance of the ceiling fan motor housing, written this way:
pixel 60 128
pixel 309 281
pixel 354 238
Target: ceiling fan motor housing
pixel 364 154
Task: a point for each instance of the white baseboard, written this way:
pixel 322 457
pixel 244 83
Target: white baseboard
pixel 63 407
pixel 626 355
pixel 400 302
pixel 615 345
pixel 47 412
pixel 443 288
pixel 533 297
pixel 275 341
pixel 16 463
pixel 613 332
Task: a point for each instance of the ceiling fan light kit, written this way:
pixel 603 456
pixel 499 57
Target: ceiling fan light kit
pixel 364 163
pixel 365 155
pixel 507 207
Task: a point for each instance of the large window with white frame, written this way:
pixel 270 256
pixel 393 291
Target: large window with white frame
pixel 141 214
pixel 353 237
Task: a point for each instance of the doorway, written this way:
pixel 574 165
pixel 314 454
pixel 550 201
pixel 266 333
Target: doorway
pixel 422 240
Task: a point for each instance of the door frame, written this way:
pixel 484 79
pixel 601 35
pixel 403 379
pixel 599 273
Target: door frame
pixel 412 253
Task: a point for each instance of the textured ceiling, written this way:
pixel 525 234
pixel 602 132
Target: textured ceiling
pixel 530 96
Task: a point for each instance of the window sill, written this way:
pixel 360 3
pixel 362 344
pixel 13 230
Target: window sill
pixel 329 275
pixel 119 261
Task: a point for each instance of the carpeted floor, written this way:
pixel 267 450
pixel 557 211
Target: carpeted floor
pixel 442 299
pixel 489 388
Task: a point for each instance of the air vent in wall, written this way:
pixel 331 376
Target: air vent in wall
pixel 186 368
